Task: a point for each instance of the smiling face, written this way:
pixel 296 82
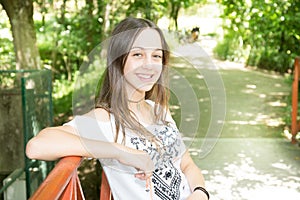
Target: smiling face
pixel 143 65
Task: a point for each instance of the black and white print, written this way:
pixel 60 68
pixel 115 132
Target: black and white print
pixel 166 179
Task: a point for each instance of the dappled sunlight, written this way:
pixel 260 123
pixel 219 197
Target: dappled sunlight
pixel 281 165
pixel 174 107
pixel 268 74
pixel 255 99
pixel 278 85
pixel 269 119
pixel 278 94
pixel 269 122
pixel 176 77
pixel 244 168
pixel 179 65
pixel 251 86
pixel 243 181
pixel 243 122
pixel 195 152
pixel 248 91
pixel 251 169
pixel 262 96
pixel 275 122
pixel 260 101
pixel 229 65
pixel 189 119
pixel 204 99
pixel 200 76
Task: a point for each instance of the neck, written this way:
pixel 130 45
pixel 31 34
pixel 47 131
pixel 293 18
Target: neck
pixel 136 97
pixel 136 100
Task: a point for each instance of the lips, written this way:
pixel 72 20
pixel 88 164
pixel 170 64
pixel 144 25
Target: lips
pixel 145 77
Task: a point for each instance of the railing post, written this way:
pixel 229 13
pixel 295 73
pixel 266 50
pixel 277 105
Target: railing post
pixel 294 125
pixel 105 192
pixel 62 182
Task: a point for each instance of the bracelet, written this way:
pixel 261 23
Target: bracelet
pixel 203 190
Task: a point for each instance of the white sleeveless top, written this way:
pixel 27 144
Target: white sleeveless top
pixel 167 182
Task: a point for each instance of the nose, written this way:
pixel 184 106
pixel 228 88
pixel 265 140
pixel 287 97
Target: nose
pixel 148 61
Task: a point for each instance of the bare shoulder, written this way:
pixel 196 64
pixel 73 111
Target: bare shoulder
pixel 99 114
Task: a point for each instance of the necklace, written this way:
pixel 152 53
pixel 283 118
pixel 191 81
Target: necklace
pixel 138 101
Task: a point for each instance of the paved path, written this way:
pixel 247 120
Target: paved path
pixel 254 166
pixel 251 169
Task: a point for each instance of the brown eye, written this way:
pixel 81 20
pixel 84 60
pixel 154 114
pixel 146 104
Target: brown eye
pixel 137 55
pixel 158 55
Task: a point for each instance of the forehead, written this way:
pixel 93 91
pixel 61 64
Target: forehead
pixel 148 38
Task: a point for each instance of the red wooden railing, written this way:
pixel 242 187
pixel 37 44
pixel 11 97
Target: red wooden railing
pixel 105 192
pixel 63 183
pixel 295 126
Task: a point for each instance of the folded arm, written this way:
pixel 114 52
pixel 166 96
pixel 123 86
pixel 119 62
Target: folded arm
pixel 54 143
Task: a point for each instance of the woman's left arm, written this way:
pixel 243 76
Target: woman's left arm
pixel 194 177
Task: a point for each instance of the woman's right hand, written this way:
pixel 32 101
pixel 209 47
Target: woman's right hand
pixel 137 159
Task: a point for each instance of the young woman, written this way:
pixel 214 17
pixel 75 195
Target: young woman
pixel 130 130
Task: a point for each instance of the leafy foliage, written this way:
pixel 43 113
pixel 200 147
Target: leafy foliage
pixel 7 56
pixel 267 32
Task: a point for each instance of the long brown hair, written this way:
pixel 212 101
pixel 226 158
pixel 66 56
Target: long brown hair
pixel 113 96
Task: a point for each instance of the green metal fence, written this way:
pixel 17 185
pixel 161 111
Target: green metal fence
pixel 26 108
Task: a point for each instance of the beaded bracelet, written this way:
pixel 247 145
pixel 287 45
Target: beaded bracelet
pixel 203 190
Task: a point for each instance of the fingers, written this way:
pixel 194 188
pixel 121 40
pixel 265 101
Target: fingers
pixel 143 175
pixel 137 158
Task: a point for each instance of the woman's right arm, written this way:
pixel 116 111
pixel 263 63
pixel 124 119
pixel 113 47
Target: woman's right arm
pixel 54 143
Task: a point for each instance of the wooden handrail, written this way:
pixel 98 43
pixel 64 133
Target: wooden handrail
pixel 62 182
pixel 295 124
pixel 105 192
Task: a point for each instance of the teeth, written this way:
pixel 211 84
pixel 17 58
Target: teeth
pixel 144 76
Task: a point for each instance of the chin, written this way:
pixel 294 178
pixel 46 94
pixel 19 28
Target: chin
pixel 145 88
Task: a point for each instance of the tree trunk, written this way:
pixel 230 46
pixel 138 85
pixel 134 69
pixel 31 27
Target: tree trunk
pixel 106 22
pixel 20 14
pixel 90 31
pixel 175 7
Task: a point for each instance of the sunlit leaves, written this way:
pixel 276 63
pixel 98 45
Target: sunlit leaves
pixel 270 28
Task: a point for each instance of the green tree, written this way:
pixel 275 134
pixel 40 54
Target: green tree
pixel 267 31
pixel 174 6
pixel 152 10
pixel 20 14
pixel 155 9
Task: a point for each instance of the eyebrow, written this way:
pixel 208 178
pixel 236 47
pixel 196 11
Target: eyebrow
pixel 143 48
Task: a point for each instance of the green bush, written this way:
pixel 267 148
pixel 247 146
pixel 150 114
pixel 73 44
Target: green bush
pixel 275 61
pixel 231 48
pixel 62 99
pixel 270 29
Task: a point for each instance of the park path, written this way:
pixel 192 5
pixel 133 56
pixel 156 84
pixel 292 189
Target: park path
pixel 251 160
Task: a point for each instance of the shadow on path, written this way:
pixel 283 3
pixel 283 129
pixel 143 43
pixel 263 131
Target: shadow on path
pixel 251 160
pixel 251 169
